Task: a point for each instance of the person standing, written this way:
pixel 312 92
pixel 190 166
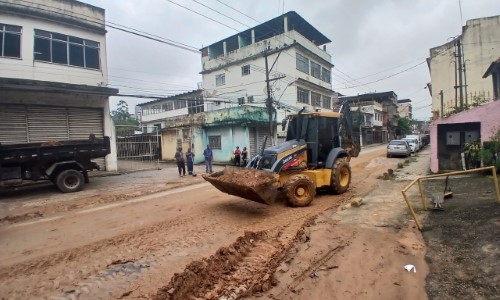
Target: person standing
pixel 237 156
pixel 179 158
pixel 207 153
pixel 190 161
pixel 244 156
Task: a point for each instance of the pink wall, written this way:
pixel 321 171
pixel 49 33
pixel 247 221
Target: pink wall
pixel 488 115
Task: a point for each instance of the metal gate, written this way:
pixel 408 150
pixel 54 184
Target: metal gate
pixel 136 150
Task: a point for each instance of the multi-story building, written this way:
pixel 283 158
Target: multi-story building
pixel 405 108
pixel 54 73
pixel 380 115
pixel 285 58
pixel 287 51
pixel 457 67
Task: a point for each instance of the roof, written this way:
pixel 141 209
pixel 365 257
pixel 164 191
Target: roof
pixel 491 67
pixel 295 22
pixel 14 84
pixel 369 96
pixel 174 97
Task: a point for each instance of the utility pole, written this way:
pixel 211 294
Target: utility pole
pixel 442 103
pixel 460 74
pixel 456 76
pixel 269 101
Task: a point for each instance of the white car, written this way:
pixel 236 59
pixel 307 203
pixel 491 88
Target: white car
pixel 413 143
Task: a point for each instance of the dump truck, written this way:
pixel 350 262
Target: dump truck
pixel 65 163
pixel 315 155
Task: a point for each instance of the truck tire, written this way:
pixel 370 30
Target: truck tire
pixel 341 176
pixel 299 190
pixel 69 181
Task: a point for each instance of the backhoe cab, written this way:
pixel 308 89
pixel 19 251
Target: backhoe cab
pixel 315 155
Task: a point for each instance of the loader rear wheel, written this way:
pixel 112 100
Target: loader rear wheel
pixel 341 176
pixel 299 190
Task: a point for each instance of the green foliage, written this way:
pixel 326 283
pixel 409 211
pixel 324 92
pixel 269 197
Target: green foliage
pixel 125 124
pixel 404 126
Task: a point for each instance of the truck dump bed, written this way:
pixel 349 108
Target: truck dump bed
pixel 27 153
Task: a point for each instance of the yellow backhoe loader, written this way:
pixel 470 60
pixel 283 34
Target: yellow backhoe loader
pixel 315 155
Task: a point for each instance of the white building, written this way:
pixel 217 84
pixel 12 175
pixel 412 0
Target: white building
pixel 234 69
pixel 476 46
pixel 54 73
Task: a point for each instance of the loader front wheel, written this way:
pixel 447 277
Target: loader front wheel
pixel 341 176
pixel 299 190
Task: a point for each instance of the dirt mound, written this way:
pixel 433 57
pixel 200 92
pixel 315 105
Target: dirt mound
pixel 245 268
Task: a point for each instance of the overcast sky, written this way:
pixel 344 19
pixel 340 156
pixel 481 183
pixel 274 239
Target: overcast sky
pixel 371 40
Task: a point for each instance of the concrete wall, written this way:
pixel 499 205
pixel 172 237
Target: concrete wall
pixel 487 115
pixel 478 38
pixel 27 67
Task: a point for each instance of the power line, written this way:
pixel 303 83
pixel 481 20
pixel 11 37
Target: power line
pixel 221 13
pixel 200 14
pixel 238 11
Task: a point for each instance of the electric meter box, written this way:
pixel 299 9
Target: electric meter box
pixel 453 138
pixel 471 136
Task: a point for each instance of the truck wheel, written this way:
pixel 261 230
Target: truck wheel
pixel 69 181
pixel 299 190
pixel 341 176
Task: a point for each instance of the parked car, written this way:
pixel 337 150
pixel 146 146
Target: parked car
pixel 398 148
pixel 413 144
pixel 420 145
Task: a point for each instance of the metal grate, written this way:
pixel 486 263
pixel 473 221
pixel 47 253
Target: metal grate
pixel 137 150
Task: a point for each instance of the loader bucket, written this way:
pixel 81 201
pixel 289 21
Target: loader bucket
pixel 251 184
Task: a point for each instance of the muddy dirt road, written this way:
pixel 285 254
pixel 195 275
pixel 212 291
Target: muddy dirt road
pixel 131 246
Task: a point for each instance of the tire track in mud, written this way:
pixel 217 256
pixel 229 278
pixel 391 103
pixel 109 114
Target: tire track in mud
pixel 117 266
pixel 247 266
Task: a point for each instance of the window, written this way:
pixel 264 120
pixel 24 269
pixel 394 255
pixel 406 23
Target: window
pixel 178 104
pixel 315 70
pixel 214 141
pixel 302 63
pixel 250 99
pixel 196 105
pixel 302 96
pixel 245 70
pixel 220 79
pixel 168 106
pixel 327 102
pixel 10 41
pixel 315 99
pixel 325 75
pixel 241 100
pixel 66 50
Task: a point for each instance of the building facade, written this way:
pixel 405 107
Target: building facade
pixel 223 129
pixel 286 56
pixel 405 109
pixel 54 73
pixel 457 67
pixel 379 115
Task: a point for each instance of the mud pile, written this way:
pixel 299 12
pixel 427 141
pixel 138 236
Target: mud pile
pixel 232 271
pixel 251 184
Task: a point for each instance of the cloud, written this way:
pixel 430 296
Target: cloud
pixel 367 36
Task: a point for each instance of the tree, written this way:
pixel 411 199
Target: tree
pixel 404 126
pixel 124 122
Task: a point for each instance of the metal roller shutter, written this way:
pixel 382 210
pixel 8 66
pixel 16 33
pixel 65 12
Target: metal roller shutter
pixel 253 141
pixel 13 125
pixel 261 133
pixel 47 123
pixel 85 121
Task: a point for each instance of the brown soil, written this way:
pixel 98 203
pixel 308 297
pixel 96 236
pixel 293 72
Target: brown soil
pixel 194 242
